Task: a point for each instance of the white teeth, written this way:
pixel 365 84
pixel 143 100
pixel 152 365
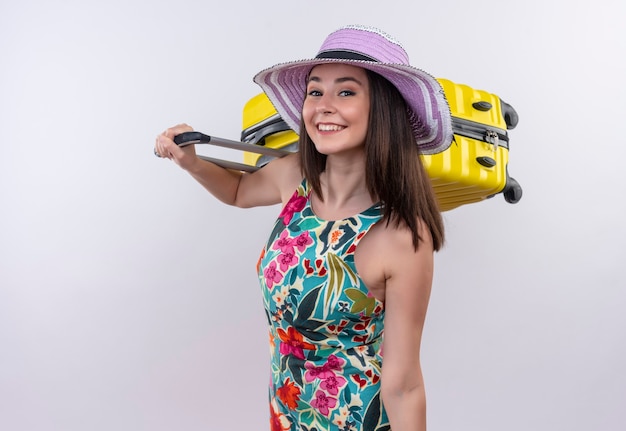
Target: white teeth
pixel 329 127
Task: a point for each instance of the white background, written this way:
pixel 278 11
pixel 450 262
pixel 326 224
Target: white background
pixel 128 296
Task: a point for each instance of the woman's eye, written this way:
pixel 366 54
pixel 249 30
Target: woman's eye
pixel 314 93
pixel 346 93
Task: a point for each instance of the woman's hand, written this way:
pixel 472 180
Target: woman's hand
pixel 185 157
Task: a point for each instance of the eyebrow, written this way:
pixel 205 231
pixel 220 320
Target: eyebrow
pixel 337 81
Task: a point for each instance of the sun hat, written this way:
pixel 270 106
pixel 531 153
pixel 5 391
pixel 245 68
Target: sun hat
pixel 367 47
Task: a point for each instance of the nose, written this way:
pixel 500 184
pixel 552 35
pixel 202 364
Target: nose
pixel 325 105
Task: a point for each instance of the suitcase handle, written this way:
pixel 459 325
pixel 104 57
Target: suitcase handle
pixel 190 138
pixel 259 135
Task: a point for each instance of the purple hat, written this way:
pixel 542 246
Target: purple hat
pixel 369 48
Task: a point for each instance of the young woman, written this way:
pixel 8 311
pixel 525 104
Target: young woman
pixel 352 250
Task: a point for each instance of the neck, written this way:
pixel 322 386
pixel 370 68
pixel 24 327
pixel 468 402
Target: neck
pixel 344 188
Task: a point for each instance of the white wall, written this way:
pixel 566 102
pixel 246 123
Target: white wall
pixel 128 298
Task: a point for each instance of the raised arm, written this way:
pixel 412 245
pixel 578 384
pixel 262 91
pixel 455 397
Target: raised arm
pixel 270 185
pixel 407 292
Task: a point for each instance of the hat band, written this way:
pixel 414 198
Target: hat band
pixel 345 55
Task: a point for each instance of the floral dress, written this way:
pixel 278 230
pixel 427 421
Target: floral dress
pixel 325 328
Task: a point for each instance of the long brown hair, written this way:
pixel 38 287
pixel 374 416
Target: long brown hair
pixel 394 172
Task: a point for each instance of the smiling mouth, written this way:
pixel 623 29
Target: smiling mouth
pixel 329 127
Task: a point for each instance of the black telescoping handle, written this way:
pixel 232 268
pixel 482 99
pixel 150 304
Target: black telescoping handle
pixel 188 138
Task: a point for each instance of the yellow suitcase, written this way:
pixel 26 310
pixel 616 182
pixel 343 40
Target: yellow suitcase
pixel 473 168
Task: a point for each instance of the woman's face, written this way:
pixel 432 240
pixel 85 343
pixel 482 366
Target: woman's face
pixel 336 108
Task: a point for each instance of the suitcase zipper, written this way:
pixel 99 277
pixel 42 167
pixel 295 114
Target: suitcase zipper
pixel 492 137
pixel 473 130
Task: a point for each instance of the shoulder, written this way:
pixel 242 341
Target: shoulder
pixel 391 267
pixel 286 173
pixel 408 272
pixel 396 249
pixel 272 184
pixel 289 170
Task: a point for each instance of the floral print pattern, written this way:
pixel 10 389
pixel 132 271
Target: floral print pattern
pixel 325 327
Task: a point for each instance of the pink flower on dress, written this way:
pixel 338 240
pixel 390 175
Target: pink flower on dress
pixel 312 372
pixel 335 363
pixel 286 260
pixel 284 243
pixel 272 275
pixel 332 384
pixel 322 402
pixel 303 240
pixel 295 204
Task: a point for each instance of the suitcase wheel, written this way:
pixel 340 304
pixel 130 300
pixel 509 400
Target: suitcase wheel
pixel 510 115
pixel 512 191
